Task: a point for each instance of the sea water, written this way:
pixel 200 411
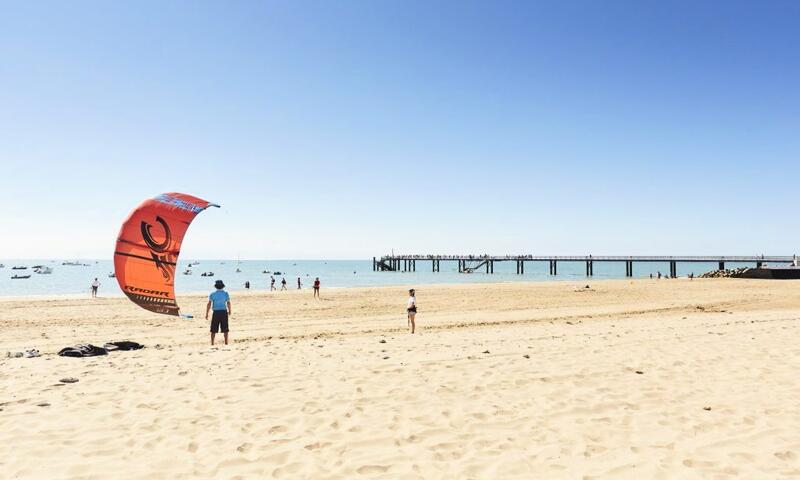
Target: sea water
pixel 76 280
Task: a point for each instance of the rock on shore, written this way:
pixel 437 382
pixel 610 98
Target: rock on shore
pixel 727 273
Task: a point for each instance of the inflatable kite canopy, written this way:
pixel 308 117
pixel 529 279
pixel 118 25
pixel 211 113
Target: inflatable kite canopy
pixel 148 246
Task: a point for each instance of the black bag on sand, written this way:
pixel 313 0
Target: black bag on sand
pixel 82 350
pixel 123 346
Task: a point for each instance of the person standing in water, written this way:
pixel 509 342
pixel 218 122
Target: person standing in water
pixel 316 288
pixel 220 301
pixel 412 309
pixel 95 286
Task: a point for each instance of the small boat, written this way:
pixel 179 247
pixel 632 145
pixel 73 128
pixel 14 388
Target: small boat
pixel 277 273
pixel 187 272
pixel 112 275
pixel 35 267
pixel 207 274
pixel 75 264
pixel 19 268
pixel 238 270
pixel 20 277
pixel 266 271
pixel 43 270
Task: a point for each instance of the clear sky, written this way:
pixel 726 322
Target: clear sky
pixel 347 129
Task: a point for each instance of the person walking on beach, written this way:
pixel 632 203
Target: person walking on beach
pixel 271 283
pixel 316 288
pixel 95 286
pixel 299 285
pixel 220 302
pixel 283 283
pixel 412 309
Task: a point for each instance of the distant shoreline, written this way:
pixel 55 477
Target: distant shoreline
pixel 420 287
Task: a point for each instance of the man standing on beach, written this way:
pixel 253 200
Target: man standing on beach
pixel 316 288
pixel 95 286
pixel 299 284
pixel 220 301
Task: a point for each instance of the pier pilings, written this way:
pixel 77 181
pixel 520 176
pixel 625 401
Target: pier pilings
pixel 553 267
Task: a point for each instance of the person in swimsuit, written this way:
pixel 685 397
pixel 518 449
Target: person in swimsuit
pixel 316 287
pixel 95 286
pixel 283 283
pixel 271 283
pixel 412 309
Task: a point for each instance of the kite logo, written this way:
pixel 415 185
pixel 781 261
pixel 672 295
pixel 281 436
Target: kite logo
pixel 180 203
pixel 148 238
pixel 146 291
pixel 160 258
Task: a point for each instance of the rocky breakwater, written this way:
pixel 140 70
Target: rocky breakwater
pixel 727 273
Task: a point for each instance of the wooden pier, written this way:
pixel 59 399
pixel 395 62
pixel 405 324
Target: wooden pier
pixel 475 263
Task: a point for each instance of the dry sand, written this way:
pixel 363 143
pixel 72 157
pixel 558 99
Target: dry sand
pixel 630 379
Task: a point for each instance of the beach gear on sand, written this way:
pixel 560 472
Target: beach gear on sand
pixel 27 354
pixel 124 345
pixel 89 350
pixel 148 246
pixel 82 350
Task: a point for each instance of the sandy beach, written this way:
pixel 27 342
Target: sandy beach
pixel 627 379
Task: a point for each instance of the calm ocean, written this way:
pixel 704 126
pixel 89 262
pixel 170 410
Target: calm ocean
pixel 75 280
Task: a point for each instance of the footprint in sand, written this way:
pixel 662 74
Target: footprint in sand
pixel 317 445
pixel 786 456
pixel 372 469
pixel 278 429
pixel 244 448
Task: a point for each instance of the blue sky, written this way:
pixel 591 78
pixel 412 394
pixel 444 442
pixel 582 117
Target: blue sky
pixel 347 129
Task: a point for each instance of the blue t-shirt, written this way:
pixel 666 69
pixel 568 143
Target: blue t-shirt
pixel 219 300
